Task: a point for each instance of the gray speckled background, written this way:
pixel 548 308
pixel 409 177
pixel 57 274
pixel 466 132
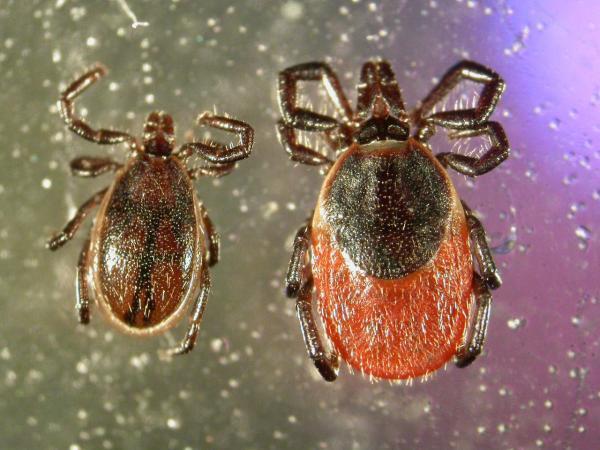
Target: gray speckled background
pixel 249 383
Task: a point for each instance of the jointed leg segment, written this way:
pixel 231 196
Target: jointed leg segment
pixel 302 290
pixel 188 342
pixel 73 225
pixel 467 118
pixel 485 261
pixel 327 364
pixel 83 294
pixel 304 118
pixel 214 240
pixel 476 336
pixel 215 152
pixel 79 126
pixel 88 166
pixel 293 278
pixel 482 284
pixel 492 158
pixel 337 133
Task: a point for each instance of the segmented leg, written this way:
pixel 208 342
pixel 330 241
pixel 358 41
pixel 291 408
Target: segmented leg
pixel 214 240
pixel 83 294
pixel 478 332
pixel 303 118
pixel 298 152
pixel 327 364
pixel 212 170
pixel 493 157
pixel 66 108
pixel 337 134
pixel 73 225
pixel 216 152
pixel 296 287
pixel 87 167
pixel 293 278
pixel 188 342
pixel 459 119
pixel 485 261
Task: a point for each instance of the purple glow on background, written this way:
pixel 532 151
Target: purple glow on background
pixel 249 383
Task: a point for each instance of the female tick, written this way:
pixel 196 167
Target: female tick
pixel 147 257
pixel 387 250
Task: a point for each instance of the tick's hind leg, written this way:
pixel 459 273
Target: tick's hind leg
pixel 73 225
pixel 82 288
pixel 327 364
pixel 482 284
pixel 302 290
pixel 478 332
pixel 188 342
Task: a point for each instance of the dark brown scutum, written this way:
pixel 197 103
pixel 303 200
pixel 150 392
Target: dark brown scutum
pixel 388 210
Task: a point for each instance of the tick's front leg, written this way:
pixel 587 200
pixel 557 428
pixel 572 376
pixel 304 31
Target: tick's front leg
pixel 66 107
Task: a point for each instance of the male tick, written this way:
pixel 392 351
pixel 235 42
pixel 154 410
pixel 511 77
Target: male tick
pixel 146 259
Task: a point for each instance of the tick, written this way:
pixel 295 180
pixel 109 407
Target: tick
pixel 146 259
pixel 388 251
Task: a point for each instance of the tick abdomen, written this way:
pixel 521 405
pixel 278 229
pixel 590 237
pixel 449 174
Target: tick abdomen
pixel 147 245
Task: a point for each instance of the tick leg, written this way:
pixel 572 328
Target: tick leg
pixel 66 108
pixel 83 295
pixel 487 267
pixel 293 279
pixel 298 152
pixel 216 152
pixel 327 364
pixel 92 167
pixel 73 225
pixel 493 86
pixel 493 157
pixel 188 342
pixel 214 240
pixel 303 118
pixel 476 337
pixel 212 170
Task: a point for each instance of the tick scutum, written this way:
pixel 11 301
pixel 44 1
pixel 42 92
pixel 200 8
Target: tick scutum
pixel 388 206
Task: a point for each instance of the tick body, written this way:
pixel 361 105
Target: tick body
pixel 388 250
pixel 147 259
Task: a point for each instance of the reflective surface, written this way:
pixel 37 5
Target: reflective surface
pixel 249 383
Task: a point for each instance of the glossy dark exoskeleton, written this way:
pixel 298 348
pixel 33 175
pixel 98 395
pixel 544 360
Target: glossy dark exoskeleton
pixel 147 257
pixel 388 249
